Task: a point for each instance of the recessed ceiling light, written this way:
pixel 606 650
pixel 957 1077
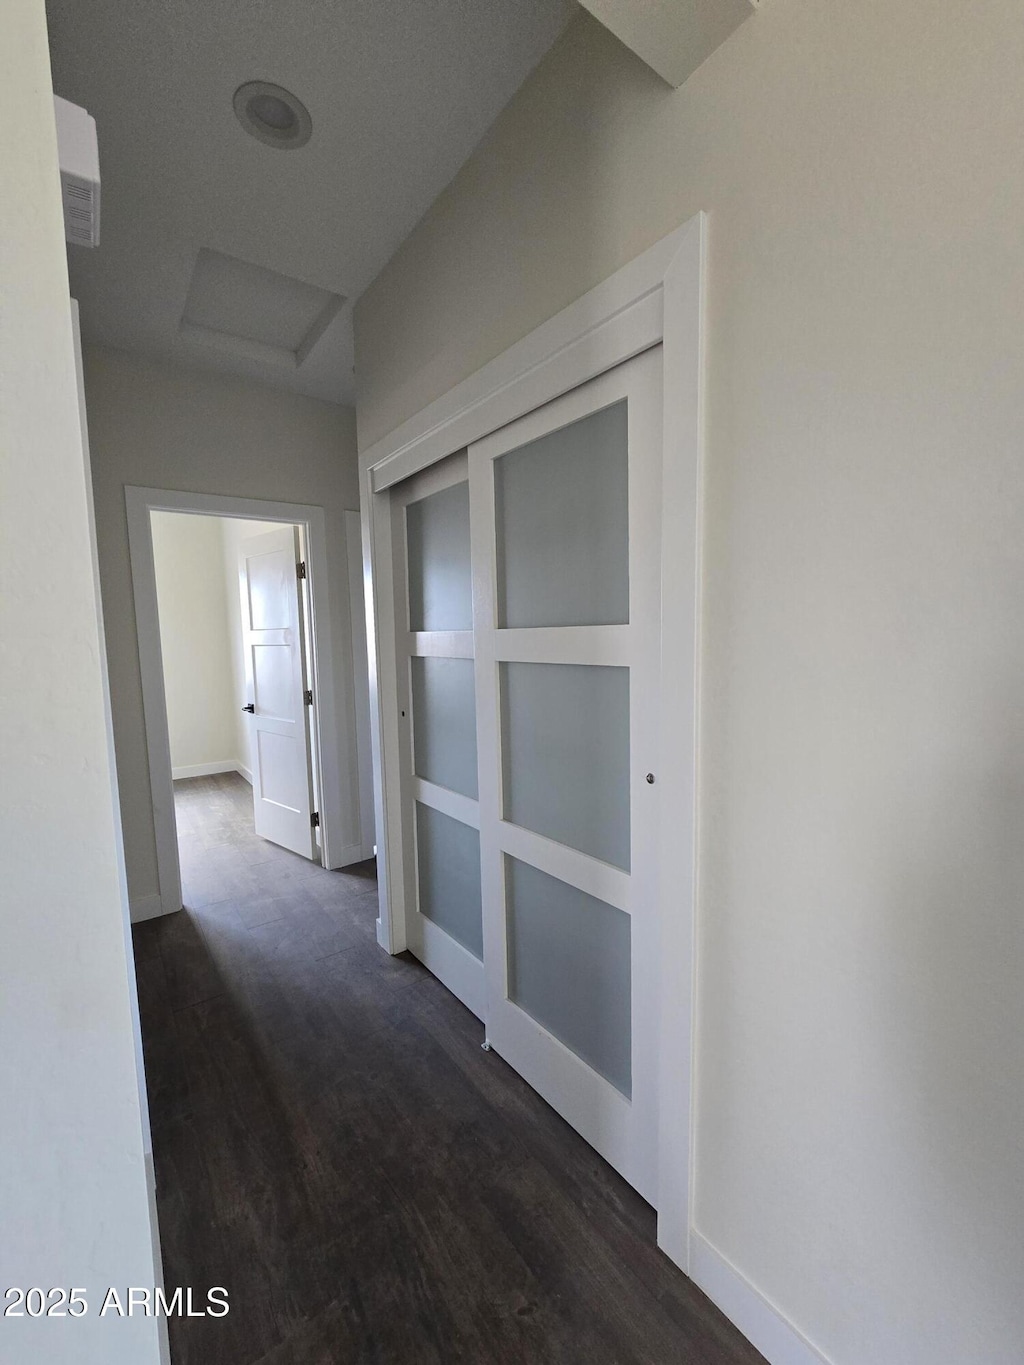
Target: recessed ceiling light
pixel 273 115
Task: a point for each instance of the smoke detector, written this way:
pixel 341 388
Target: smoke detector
pixel 78 153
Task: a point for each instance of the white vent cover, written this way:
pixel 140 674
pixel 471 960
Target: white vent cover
pixel 79 156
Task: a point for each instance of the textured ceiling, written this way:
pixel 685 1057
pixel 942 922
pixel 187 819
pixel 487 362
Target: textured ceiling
pixel 400 91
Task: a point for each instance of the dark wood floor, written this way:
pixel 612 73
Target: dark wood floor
pixel 333 1146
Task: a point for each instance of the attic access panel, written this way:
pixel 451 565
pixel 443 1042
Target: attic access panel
pixel 253 311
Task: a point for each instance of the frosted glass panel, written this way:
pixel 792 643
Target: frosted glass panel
pixel 440 581
pixel 449 876
pixel 565 754
pixel 569 967
pixel 444 723
pixel 562 514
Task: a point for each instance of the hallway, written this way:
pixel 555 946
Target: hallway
pixel 333 1146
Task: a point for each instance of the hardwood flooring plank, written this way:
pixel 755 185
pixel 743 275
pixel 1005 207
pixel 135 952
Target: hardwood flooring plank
pixel 335 1149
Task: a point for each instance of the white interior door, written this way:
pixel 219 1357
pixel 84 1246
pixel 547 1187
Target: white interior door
pixel 272 625
pixel 566 530
pixel 437 726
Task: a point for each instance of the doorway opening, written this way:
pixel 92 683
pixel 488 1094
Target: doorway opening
pixel 234 643
pixel 237 589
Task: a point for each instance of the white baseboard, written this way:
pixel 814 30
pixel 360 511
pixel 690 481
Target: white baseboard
pixel 760 1321
pixel 146 907
pixel 224 765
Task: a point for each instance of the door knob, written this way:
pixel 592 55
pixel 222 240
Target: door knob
pixel 251 708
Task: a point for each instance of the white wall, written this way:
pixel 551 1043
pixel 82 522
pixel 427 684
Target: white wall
pixel 74 1208
pixel 196 641
pixel 861 1086
pixel 165 427
pixel 205 680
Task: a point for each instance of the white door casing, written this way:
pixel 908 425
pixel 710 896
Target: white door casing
pixel 656 298
pixel 344 837
pixel 273 635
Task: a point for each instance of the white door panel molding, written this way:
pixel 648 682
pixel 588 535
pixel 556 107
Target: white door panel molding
pixel 279 730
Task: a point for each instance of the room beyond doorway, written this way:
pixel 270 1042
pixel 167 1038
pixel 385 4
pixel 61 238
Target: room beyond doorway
pixel 237 661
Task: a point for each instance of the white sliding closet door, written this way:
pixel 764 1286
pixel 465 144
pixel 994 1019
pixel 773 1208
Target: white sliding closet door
pixel 437 726
pixel 566 525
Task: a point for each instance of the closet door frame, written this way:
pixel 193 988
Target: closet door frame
pixel 657 298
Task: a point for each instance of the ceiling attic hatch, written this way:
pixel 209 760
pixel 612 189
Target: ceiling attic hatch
pixel 251 311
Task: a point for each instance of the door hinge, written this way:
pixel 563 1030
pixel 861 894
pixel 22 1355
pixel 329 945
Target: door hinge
pixel 314 820
pixel 307 696
pixel 300 569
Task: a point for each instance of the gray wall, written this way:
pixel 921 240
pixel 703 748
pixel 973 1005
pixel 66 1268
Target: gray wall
pixel 162 427
pixel 74 1208
pixel 860 1094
